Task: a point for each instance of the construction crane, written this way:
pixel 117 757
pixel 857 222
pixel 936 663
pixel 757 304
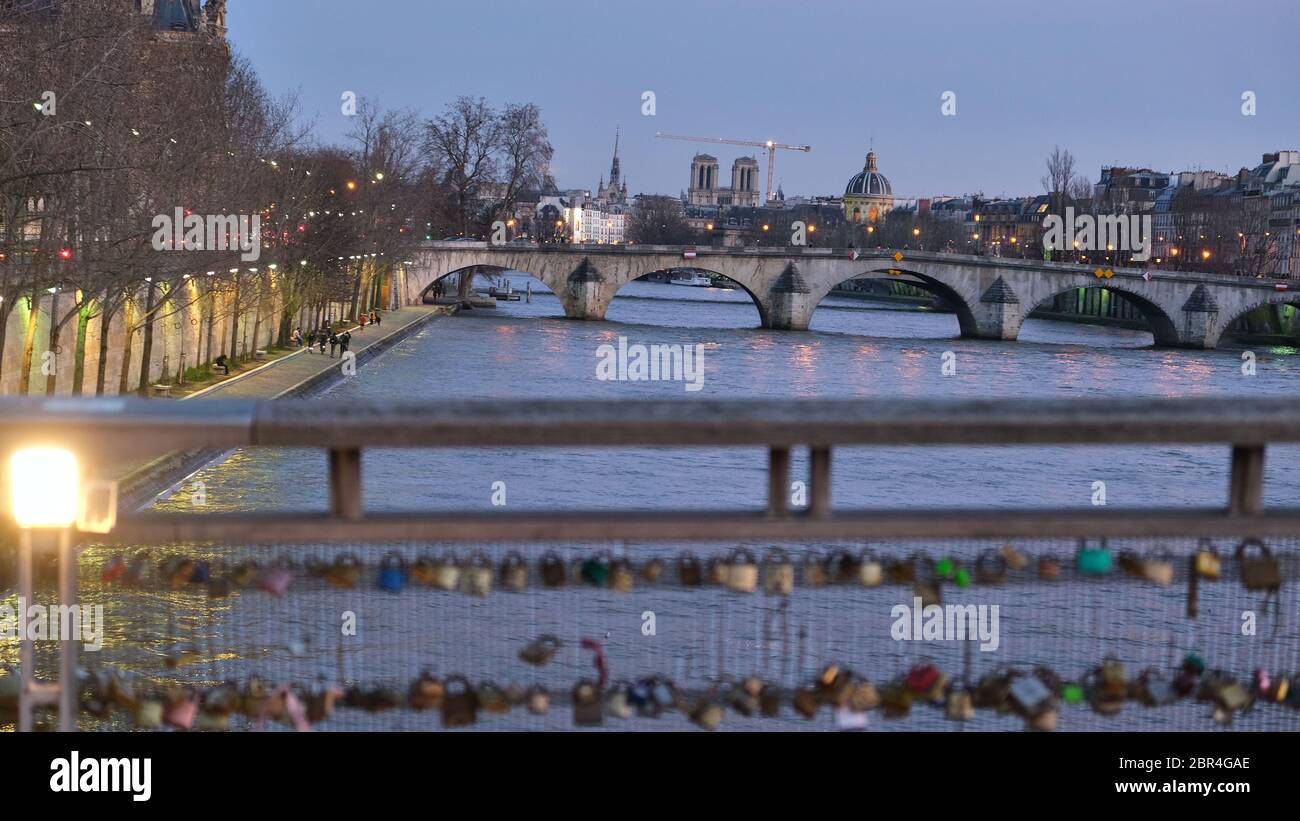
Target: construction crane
pixel 769 145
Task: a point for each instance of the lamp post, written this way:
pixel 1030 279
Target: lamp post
pixel 44 487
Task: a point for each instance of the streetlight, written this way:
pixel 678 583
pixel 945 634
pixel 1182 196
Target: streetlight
pixel 44 488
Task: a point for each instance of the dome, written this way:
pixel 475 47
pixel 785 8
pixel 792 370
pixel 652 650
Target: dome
pixel 870 182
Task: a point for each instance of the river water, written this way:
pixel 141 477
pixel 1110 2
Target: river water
pixel 527 349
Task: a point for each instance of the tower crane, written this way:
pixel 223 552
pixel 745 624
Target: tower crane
pixel 768 145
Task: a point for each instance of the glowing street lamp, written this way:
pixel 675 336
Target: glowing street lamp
pixel 1205 255
pixel 44 485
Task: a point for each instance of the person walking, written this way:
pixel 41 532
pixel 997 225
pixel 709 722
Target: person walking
pixel 311 341
pixel 361 321
pixel 345 341
pixel 295 338
pixel 334 343
pixel 374 317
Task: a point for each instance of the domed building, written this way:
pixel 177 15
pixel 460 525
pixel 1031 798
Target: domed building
pixel 868 197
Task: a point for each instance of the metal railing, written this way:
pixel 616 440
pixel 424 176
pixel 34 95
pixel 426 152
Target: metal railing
pixel 102 430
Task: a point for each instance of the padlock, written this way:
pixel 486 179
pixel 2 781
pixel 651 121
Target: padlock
pixel 900 571
pixel 1029 694
pixel 214 712
pixel 895 699
pixel 259 700
pixel 175 571
pixel 149 713
pixel 616 701
pixel 990 568
pixel 870 571
pixel 117 691
pixel 320 703
pixel 922 678
pixel 344 572
pixel 621 575
pixel 245 574
pixel 392 573
pixel 844 566
pixel 181 709
pixel 1014 558
pixel 708 713
pixel 516 694
pixel 1093 561
pixel 113 570
pixel 275 579
pixel 538 700
pixel 219 586
pixel 716 571
pixel 863 696
pixel 741 571
pixel 1130 564
pixel 514 572
pixel 1212 684
pixel 200 572
pixel 778 573
pixel 459 702
pixel 689 572
pixel 652 570
pixel 806 702
pixel 640 696
pixel 476 575
pixel 135 569
pixel 1207 564
pixel 446 572
pixel 1234 696
pixel 1258 572
pixel 814 570
pixel 744 697
pixel 551 568
pixel 666 695
pixel 769 701
pixel 928 592
pixel 424 570
pixel 835 685
pixel 1159 568
pixel 1107 688
pixel 1049 568
pixel 594 570
pixel 492 699
pixel 426 692
pixel 588 704
pixel 540 650
pixel 1044 720
pixel 993 692
pixel 960 705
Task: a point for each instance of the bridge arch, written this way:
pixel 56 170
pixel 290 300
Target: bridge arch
pixel 753 297
pixel 1226 320
pixel 951 296
pixel 424 292
pixel 1164 329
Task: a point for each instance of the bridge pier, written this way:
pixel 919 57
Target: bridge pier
pixel 584 296
pixel 1200 316
pixel 997 316
pixel 789 303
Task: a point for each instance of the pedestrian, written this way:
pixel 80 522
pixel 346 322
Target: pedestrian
pixel 361 321
pixel 322 337
pixel 311 341
pixel 221 363
pixel 374 317
pixel 334 343
pixel 295 338
pixel 345 341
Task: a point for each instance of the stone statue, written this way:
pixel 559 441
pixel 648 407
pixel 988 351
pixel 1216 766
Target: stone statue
pixel 216 12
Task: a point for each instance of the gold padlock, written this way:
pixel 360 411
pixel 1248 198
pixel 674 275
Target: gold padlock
pixel 806 703
pixel 871 573
pixel 620 575
pixel 1207 563
pixel 1014 558
pixel 741 571
pixel 1043 721
pixel 652 570
pixel 814 570
pixel 708 713
pixel 538 700
pixel 514 572
pixel 863 697
pixel 960 705
pixel 540 650
pixel 426 692
pixel 446 573
pixel 1159 568
pixel 476 575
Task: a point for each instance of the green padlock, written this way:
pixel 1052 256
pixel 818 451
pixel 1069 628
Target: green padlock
pixel 962 578
pixel 1072 694
pixel 1093 561
pixel 943 568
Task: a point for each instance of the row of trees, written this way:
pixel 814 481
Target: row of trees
pixel 106 124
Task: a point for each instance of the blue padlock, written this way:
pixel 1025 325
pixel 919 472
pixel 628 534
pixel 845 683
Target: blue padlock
pixel 1093 561
pixel 392 573
pixel 201 573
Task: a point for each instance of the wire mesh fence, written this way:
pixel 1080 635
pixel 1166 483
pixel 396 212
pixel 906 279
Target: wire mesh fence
pixel 833 635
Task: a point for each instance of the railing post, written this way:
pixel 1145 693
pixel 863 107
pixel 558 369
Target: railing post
pixel 345 483
pixel 69 685
pixel 819 470
pixel 26 656
pixel 778 481
pixel 1246 489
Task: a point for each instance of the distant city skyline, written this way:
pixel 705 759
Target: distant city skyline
pixel 1156 84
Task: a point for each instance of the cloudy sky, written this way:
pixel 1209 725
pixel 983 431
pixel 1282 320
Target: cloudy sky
pixel 1118 82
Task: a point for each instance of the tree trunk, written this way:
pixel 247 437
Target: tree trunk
pixel 105 324
pixel 146 350
pixel 128 334
pixel 29 341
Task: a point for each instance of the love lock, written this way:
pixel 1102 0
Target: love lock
pixel 815 573
pixel 741 571
pixel 708 713
pixel 344 572
pixel 245 574
pixel 1014 558
pixel 871 573
pixel 689 572
pixel 514 572
pixel 426 692
pixel 806 702
pixel 1152 689
pixel 1159 568
pixel 182 707
pixel 551 568
pixel 617 703
pixel 652 570
pixel 1093 560
pixel 621 576
pixel 320 703
pixel 392 573
pixel 778 573
pixel 595 570
pixel 492 699
pixel 900 571
pixel 538 700
pixel 834 685
pixel 1207 563
pixel 960 705
pixel 587 704
pixel 540 650
pixel 200 573
pixel 1049 568
pixel 863 696
pixel 1260 571
pixel 769 701
pixel 214 714
pixel 149 713
pixel 476 575
pixel 1029 695
pixel 424 570
pixel 845 567
pixel 275 579
pixel 459 703
pixel 446 573
pixel 744 697
pixel 990 568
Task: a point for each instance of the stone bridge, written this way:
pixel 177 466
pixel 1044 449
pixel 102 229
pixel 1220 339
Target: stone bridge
pixel 992 296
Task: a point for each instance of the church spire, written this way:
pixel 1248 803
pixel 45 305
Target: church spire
pixel 613 168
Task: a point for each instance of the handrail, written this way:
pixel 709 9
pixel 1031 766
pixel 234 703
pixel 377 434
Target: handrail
pixel 93 428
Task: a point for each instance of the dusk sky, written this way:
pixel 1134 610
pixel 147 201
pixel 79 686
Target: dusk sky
pixel 1154 83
